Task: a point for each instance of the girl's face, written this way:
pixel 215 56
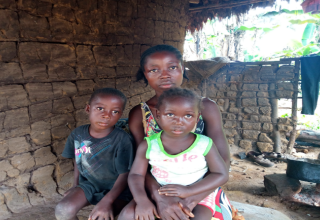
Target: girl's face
pixel 163 71
pixel 178 116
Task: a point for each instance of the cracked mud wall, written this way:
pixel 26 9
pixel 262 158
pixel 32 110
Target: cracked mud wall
pixel 53 55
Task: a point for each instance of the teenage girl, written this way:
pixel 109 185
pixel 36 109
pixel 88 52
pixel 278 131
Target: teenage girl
pixel 179 159
pixel 162 68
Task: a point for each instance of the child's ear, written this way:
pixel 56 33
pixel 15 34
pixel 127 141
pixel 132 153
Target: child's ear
pixel 87 109
pixel 157 114
pixel 198 117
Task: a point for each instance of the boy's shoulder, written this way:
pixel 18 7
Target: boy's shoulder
pixel 120 133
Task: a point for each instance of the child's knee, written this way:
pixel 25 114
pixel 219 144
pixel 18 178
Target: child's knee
pixel 127 213
pixel 202 212
pixel 64 211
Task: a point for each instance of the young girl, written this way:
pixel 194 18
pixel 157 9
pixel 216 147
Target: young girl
pixel 162 68
pixel 183 163
pixel 103 155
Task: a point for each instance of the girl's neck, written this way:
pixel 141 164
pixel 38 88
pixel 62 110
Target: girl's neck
pixel 175 145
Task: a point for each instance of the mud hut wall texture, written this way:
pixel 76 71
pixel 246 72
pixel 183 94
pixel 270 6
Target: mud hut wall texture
pixel 53 55
pixel 243 92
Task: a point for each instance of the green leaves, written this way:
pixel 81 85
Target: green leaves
pixel 265 29
pixel 308 33
pixel 244 28
pixel 286 11
pixel 306 51
pixel 294 17
pixel 301 21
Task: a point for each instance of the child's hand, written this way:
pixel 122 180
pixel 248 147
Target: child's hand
pixel 145 210
pixel 174 190
pixel 102 211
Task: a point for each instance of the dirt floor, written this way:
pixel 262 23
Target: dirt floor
pixel 245 187
pixel 248 187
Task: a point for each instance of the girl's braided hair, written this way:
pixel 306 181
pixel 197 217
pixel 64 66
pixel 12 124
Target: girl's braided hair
pixel 158 48
pixel 178 92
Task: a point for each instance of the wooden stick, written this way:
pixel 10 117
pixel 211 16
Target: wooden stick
pixel 225 5
pixel 276 133
pixel 260 63
pixel 204 92
pixel 194 1
pixel 294 118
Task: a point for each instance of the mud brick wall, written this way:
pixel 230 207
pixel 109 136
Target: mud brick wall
pixel 53 55
pixel 243 92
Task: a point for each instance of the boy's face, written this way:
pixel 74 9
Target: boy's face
pixel 104 111
pixel 178 116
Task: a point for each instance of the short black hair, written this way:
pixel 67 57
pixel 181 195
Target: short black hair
pixel 155 49
pixel 178 92
pixel 109 91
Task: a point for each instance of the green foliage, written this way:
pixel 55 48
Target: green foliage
pixel 294 23
pixel 310 122
pixel 210 49
pixel 301 21
pixel 308 33
pixel 251 58
pixel 299 51
pixel 243 28
pixel 283 11
pixel 286 115
pixel 265 29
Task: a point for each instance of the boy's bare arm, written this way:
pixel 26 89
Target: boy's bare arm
pixel 217 176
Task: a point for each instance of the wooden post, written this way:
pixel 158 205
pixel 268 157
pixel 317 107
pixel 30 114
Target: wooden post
pixel 204 92
pixel 274 119
pixel 294 118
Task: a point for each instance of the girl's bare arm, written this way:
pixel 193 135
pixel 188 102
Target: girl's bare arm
pixel 137 174
pixel 144 208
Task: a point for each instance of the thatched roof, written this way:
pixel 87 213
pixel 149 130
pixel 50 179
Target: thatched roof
pixel 209 9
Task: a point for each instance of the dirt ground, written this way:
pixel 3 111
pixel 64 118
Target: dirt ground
pixel 248 187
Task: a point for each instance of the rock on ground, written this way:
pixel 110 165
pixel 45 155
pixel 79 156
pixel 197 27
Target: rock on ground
pixel 251 212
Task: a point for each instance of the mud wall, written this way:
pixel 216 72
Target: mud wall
pixel 53 55
pixel 245 93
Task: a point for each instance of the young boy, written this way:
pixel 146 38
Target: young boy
pixel 103 155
